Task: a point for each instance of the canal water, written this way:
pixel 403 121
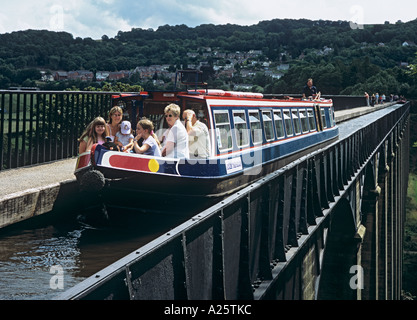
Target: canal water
pixel 36 253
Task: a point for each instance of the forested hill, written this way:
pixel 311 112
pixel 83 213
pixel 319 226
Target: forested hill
pixel 341 59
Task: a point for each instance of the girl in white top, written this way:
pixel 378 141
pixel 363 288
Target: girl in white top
pixel 150 145
pixel 176 145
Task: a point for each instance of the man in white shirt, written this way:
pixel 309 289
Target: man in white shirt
pixel 198 135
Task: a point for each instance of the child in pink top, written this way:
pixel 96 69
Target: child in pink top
pixel 96 132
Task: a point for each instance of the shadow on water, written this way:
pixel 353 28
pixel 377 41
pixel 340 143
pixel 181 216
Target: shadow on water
pixel 81 242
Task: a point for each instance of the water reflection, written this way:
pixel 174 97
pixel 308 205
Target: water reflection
pixel 26 259
pixel 75 243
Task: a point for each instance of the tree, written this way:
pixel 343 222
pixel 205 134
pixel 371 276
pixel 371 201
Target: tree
pixel 4 82
pixel 27 74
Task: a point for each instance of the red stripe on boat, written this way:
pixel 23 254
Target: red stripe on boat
pixel 129 163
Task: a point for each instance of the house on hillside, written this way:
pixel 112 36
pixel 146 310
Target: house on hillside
pixel 254 53
pixel 403 65
pixel 408 44
pixel 283 67
pixel 247 73
pixel 274 75
pixel 242 86
pixel 228 73
pixel 60 75
pixel 83 75
pixel 46 76
pixel 102 75
pixel 118 75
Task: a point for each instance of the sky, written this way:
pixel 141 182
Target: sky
pixel 95 18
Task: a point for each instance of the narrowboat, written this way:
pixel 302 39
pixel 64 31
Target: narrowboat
pixel 251 136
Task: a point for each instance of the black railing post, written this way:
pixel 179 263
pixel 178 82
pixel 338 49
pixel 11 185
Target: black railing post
pixel 16 161
pixel 30 134
pixel 2 111
pixel 9 133
pixel 24 137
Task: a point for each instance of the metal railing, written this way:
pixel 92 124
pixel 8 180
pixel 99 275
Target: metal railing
pixel 245 246
pixel 43 126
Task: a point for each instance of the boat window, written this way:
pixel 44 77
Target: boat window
pixel 255 126
pixel 268 125
pixel 223 132
pixel 296 120
pixel 278 124
pixel 241 128
pixel 288 123
pixel 304 120
pixel 311 120
pixel 323 118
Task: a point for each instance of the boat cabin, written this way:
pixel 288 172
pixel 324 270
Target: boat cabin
pixel 236 120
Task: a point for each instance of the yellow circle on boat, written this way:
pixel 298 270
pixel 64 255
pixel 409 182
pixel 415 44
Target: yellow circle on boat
pixel 153 165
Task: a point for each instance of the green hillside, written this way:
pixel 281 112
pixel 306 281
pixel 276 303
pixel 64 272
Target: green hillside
pixel 342 60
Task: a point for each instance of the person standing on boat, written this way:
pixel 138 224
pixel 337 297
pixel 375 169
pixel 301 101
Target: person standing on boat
pixel 115 119
pixel 198 135
pixel 309 91
pixel 176 142
pixel 150 145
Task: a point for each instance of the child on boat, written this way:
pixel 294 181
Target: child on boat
pixel 124 137
pixel 96 132
pixel 150 145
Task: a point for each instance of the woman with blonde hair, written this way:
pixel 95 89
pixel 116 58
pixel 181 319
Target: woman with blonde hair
pixel 150 145
pixel 114 121
pixel 176 145
pixel 96 132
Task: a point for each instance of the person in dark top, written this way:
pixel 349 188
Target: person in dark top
pixel 309 90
